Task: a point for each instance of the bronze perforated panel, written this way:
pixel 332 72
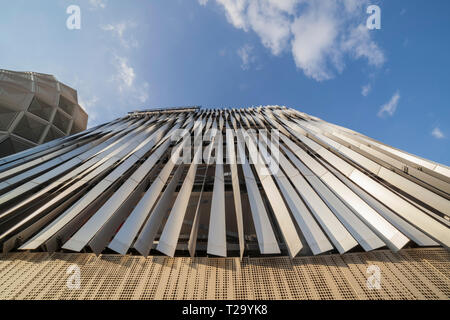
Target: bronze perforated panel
pixel 407 274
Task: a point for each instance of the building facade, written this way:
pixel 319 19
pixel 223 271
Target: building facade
pixel 221 182
pixel 36 108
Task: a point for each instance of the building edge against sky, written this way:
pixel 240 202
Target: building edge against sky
pixel 36 108
pixel 115 188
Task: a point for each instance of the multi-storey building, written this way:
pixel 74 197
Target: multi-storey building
pixel 249 183
pixel 36 108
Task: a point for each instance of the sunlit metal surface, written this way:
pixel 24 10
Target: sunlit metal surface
pixel 286 183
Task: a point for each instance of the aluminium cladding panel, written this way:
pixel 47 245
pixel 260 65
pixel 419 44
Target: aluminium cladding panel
pixel 171 232
pixel 31 163
pixel 77 185
pixel 79 154
pixel 341 238
pixel 217 243
pixel 435 182
pixel 406 228
pixel 85 169
pixel 267 241
pixel 169 237
pixel 44 147
pixel 314 236
pixel 367 210
pixel 210 134
pixel 89 197
pixel 390 161
pixel 45 153
pixel 339 235
pixel 231 156
pixel 390 235
pixel 109 208
pixel 408 211
pixel 363 234
pixel 405 209
pixel 144 241
pixel 192 242
pixel 411 160
pixel 127 233
pixel 441 169
pixel 285 223
pixel 393 178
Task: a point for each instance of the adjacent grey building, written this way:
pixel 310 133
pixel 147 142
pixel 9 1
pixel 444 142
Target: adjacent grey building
pixel 36 108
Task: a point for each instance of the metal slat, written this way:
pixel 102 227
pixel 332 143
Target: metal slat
pixel 95 223
pixel 391 236
pixel 411 232
pixel 266 238
pixel 217 240
pixel 127 233
pixel 77 158
pixel 316 239
pixel 144 242
pixel 231 156
pixel 395 179
pixel 282 215
pixel 81 204
pixel 169 237
pixel 335 230
pixel 327 185
pixel 325 203
pixel 412 214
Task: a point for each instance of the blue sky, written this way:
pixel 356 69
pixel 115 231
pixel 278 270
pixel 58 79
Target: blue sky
pixel 316 56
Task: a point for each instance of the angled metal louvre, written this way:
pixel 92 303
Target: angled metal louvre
pixel 152 183
pixel 423 194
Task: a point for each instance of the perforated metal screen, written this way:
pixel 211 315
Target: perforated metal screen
pixel 407 274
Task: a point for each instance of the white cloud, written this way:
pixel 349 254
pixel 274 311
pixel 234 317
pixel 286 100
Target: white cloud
pixel 119 30
pixel 360 45
pixel 125 73
pixel 142 93
pixel 98 3
pixel 90 105
pixel 235 12
pixel 437 133
pixel 269 19
pixel 127 86
pixel 314 42
pixel 319 34
pixel 365 90
pixel 390 107
pixel 203 2
pixel 246 55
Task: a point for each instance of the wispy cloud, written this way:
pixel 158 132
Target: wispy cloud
pixel 101 4
pixel 142 92
pixel 125 78
pixel 119 30
pixel 246 54
pixel 203 2
pixel 90 105
pixel 365 90
pixel 390 107
pixel 125 74
pixel 437 133
pixel 319 34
